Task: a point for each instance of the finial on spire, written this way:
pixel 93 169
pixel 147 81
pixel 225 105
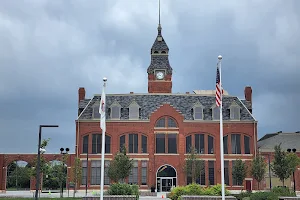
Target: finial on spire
pixel 159 12
pixel 159 26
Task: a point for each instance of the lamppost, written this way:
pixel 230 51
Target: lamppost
pixel 294 151
pixel 63 169
pixel 39 158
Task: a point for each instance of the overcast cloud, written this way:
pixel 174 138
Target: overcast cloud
pixel 50 48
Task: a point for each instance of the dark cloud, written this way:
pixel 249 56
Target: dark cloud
pixel 50 48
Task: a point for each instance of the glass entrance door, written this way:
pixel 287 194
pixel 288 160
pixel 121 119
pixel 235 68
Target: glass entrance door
pixel 166 184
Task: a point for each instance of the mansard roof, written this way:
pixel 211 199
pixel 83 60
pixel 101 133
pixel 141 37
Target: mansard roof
pixel 149 103
pixel 159 62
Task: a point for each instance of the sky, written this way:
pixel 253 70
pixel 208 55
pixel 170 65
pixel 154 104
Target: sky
pixel 51 48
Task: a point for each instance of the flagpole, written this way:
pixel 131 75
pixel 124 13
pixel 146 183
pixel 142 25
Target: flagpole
pixel 103 127
pixel 221 131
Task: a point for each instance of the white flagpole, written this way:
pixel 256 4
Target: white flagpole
pixel 221 131
pixel 103 127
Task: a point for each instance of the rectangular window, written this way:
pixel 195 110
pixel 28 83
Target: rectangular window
pixel 199 143
pixel 133 176
pixel 85 145
pixel 225 144
pixel 234 182
pixel 226 172
pixel 133 143
pixel 236 144
pixel 106 177
pixel 95 172
pixel 144 144
pixel 216 113
pixel 201 179
pixel 144 172
pixel 172 143
pixel 160 143
pixel 210 145
pixel 122 141
pixel 84 172
pixel 96 113
pixel 96 140
pixel 188 144
pixel 115 112
pixel 198 113
pixel 211 172
pixel 133 112
pixel 247 144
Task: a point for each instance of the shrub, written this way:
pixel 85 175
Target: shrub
pixel 283 191
pixel 215 190
pixel 123 189
pixel 195 189
pixel 243 195
pixel 263 196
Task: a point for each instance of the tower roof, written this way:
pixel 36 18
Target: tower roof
pixel 159 43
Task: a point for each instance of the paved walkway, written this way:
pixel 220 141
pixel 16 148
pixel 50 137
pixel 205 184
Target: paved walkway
pixel 57 195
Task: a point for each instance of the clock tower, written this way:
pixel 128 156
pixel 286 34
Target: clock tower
pixel 159 71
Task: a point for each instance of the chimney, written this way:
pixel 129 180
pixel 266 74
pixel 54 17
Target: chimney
pixel 131 92
pixel 81 94
pixel 248 93
pixel 187 92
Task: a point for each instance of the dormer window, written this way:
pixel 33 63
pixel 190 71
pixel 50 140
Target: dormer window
pixel 198 111
pixel 215 113
pixel 96 114
pixel 134 111
pixel 115 111
pixel 163 52
pixel 155 52
pixel 235 111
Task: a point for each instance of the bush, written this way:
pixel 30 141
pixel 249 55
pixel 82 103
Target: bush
pixel 195 189
pixel 242 195
pixel 123 189
pixel 263 196
pixel 283 191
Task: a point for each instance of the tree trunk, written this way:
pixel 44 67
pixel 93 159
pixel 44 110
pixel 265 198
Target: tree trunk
pixel 283 182
pixel 258 184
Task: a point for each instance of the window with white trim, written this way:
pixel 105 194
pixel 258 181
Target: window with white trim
pixel 133 176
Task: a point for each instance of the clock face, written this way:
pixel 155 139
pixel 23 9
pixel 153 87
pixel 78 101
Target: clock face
pixel 160 75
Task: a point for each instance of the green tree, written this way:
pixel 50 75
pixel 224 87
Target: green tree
pixel 284 164
pixel 193 167
pixel 44 165
pixel 120 167
pixel 239 171
pixel 77 174
pixel 258 169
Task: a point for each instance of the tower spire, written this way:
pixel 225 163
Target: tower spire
pixel 159 26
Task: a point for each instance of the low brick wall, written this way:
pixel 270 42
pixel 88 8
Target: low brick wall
pixel 206 197
pixel 112 197
pixel 144 193
pixel 289 198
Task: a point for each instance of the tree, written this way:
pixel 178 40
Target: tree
pixel 44 167
pixel 284 164
pixel 193 167
pixel 120 167
pixel 77 173
pixel 258 169
pixel 239 171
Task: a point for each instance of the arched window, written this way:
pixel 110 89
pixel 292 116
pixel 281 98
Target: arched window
pixel 166 141
pixel 166 122
pixel 97 143
pixel 163 52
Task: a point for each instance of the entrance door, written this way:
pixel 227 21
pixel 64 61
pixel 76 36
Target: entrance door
pixel 166 184
pixel 248 185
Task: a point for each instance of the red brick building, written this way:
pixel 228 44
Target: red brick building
pixel 159 127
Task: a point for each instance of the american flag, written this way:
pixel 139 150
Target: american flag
pixel 218 88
